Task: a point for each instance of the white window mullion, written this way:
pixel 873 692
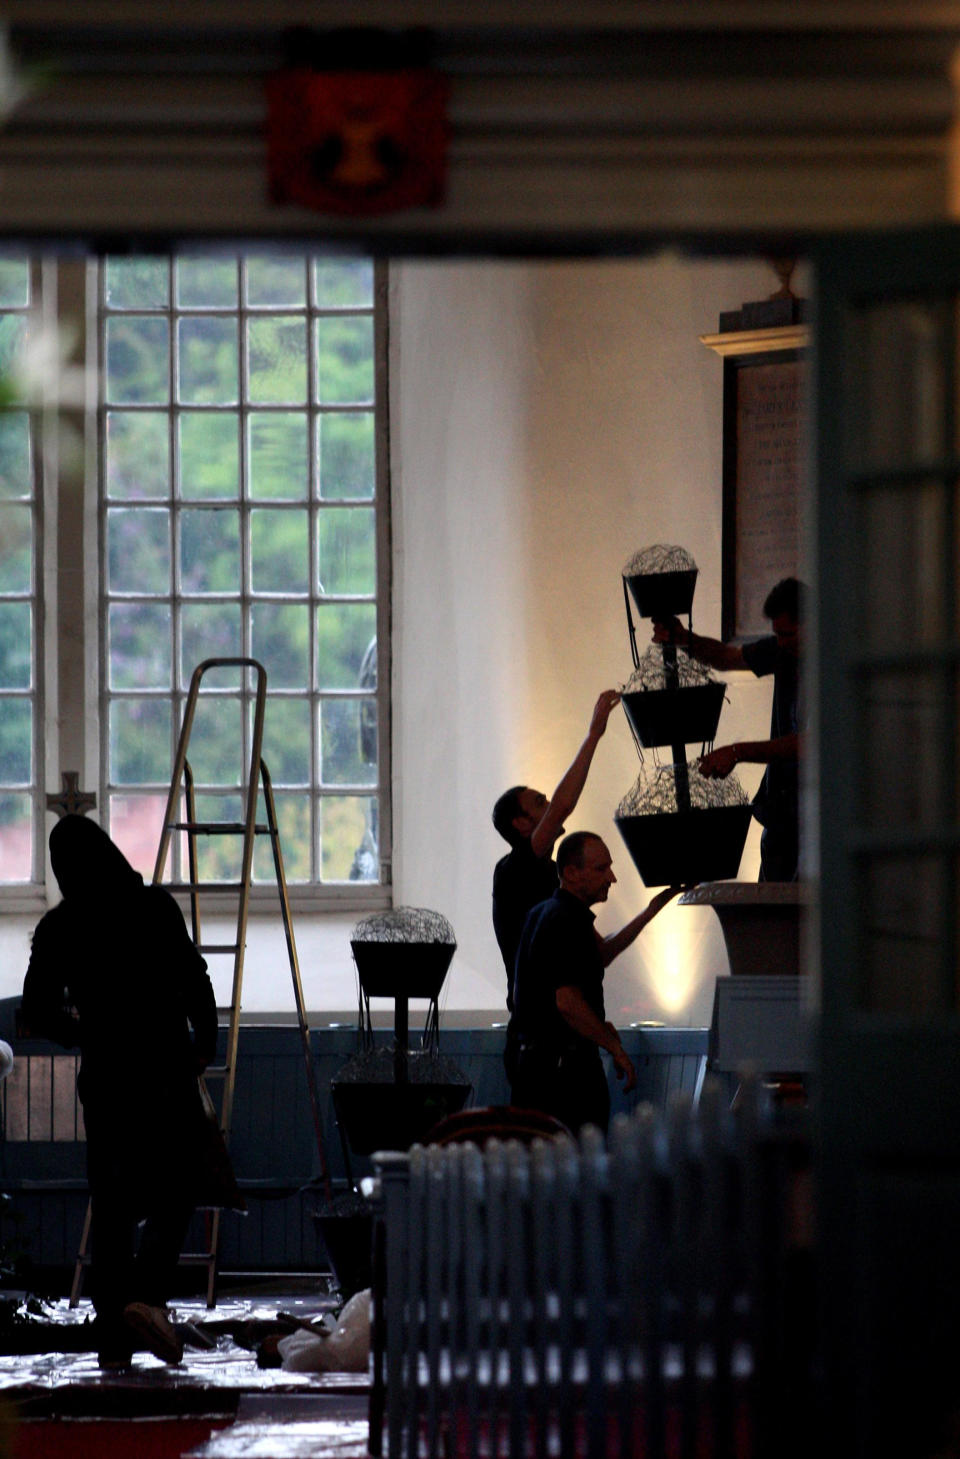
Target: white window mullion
pixel 45 442
pixel 384 559
pixel 313 494
pixel 246 592
pixel 177 870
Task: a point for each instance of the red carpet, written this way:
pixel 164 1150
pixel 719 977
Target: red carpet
pixel 161 1438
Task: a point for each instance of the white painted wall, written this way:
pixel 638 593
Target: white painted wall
pixel 548 419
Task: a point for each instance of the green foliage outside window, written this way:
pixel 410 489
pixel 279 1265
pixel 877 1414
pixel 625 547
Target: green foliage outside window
pixel 245 524
pixel 239 480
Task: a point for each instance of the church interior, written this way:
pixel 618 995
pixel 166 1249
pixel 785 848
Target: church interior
pixel 602 185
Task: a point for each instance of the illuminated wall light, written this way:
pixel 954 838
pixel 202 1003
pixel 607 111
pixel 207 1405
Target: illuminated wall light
pixel 672 951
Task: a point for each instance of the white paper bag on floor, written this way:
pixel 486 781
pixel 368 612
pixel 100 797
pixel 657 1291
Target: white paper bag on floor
pixel 344 1349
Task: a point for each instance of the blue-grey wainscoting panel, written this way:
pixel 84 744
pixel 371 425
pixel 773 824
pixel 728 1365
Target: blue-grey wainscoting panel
pixel 273 1141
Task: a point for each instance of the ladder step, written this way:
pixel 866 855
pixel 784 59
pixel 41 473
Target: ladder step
pixel 218 828
pixel 217 946
pixel 216 1071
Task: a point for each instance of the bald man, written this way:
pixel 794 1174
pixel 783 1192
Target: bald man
pixel 558 1002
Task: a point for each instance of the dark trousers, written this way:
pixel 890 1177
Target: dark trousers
pixel 141 1166
pixel 511 1053
pixel 123 1271
pixel 569 1084
pixel 780 852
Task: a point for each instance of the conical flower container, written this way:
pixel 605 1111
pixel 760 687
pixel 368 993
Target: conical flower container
pixel 685 716
pixel 402 969
pixel 663 595
pixel 376 1112
pixel 676 848
pixel 378 1105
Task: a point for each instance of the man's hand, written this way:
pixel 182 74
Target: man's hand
pixel 613 946
pixel 623 1064
pixel 662 898
pixel 670 631
pixel 712 651
pixel 607 702
pixel 719 763
pixel 567 793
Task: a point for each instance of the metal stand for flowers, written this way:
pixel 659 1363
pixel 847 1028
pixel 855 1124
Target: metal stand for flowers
pixel 689 843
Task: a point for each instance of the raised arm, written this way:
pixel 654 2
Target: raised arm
pixel 568 792
pixel 613 946
pixel 720 762
pixel 710 651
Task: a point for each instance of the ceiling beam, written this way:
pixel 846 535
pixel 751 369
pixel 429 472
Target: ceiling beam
pixel 602 124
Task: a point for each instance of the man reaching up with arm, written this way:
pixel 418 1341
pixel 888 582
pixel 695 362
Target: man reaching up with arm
pixel 532 824
pixel 776 804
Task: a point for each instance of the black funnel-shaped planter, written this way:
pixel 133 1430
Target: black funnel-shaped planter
pixel 402 969
pixel 380 1116
pixel 663 595
pixel 684 716
pixel 678 847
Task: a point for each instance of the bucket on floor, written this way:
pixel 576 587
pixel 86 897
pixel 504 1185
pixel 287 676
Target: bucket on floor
pixel 345 1225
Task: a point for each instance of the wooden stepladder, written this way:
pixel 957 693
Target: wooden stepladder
pixel 185 822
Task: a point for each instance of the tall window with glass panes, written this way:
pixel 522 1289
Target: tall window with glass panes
pixel 241 517
pixel 20 626
pixel 241 479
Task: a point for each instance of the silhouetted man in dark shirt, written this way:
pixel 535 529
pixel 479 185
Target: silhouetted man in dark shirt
pixel 559 1014
pixel 532 824
pixel 113 970
pixel 776 804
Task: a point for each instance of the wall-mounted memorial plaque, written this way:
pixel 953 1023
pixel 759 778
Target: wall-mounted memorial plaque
pixel 764 434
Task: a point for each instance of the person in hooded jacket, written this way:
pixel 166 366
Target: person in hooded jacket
pixel 113 970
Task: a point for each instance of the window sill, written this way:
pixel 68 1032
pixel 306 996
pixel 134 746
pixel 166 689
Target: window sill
pixel 313 900
pixel 23 899
pixel 31 899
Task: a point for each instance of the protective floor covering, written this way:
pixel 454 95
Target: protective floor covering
pixel 270 1427
pixel 216 1404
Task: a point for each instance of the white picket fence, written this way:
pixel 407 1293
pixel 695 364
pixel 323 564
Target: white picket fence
pixel 574 1299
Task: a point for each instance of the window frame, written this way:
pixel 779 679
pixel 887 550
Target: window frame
pixel 71 728
pixel 314 895
pixel 40 311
